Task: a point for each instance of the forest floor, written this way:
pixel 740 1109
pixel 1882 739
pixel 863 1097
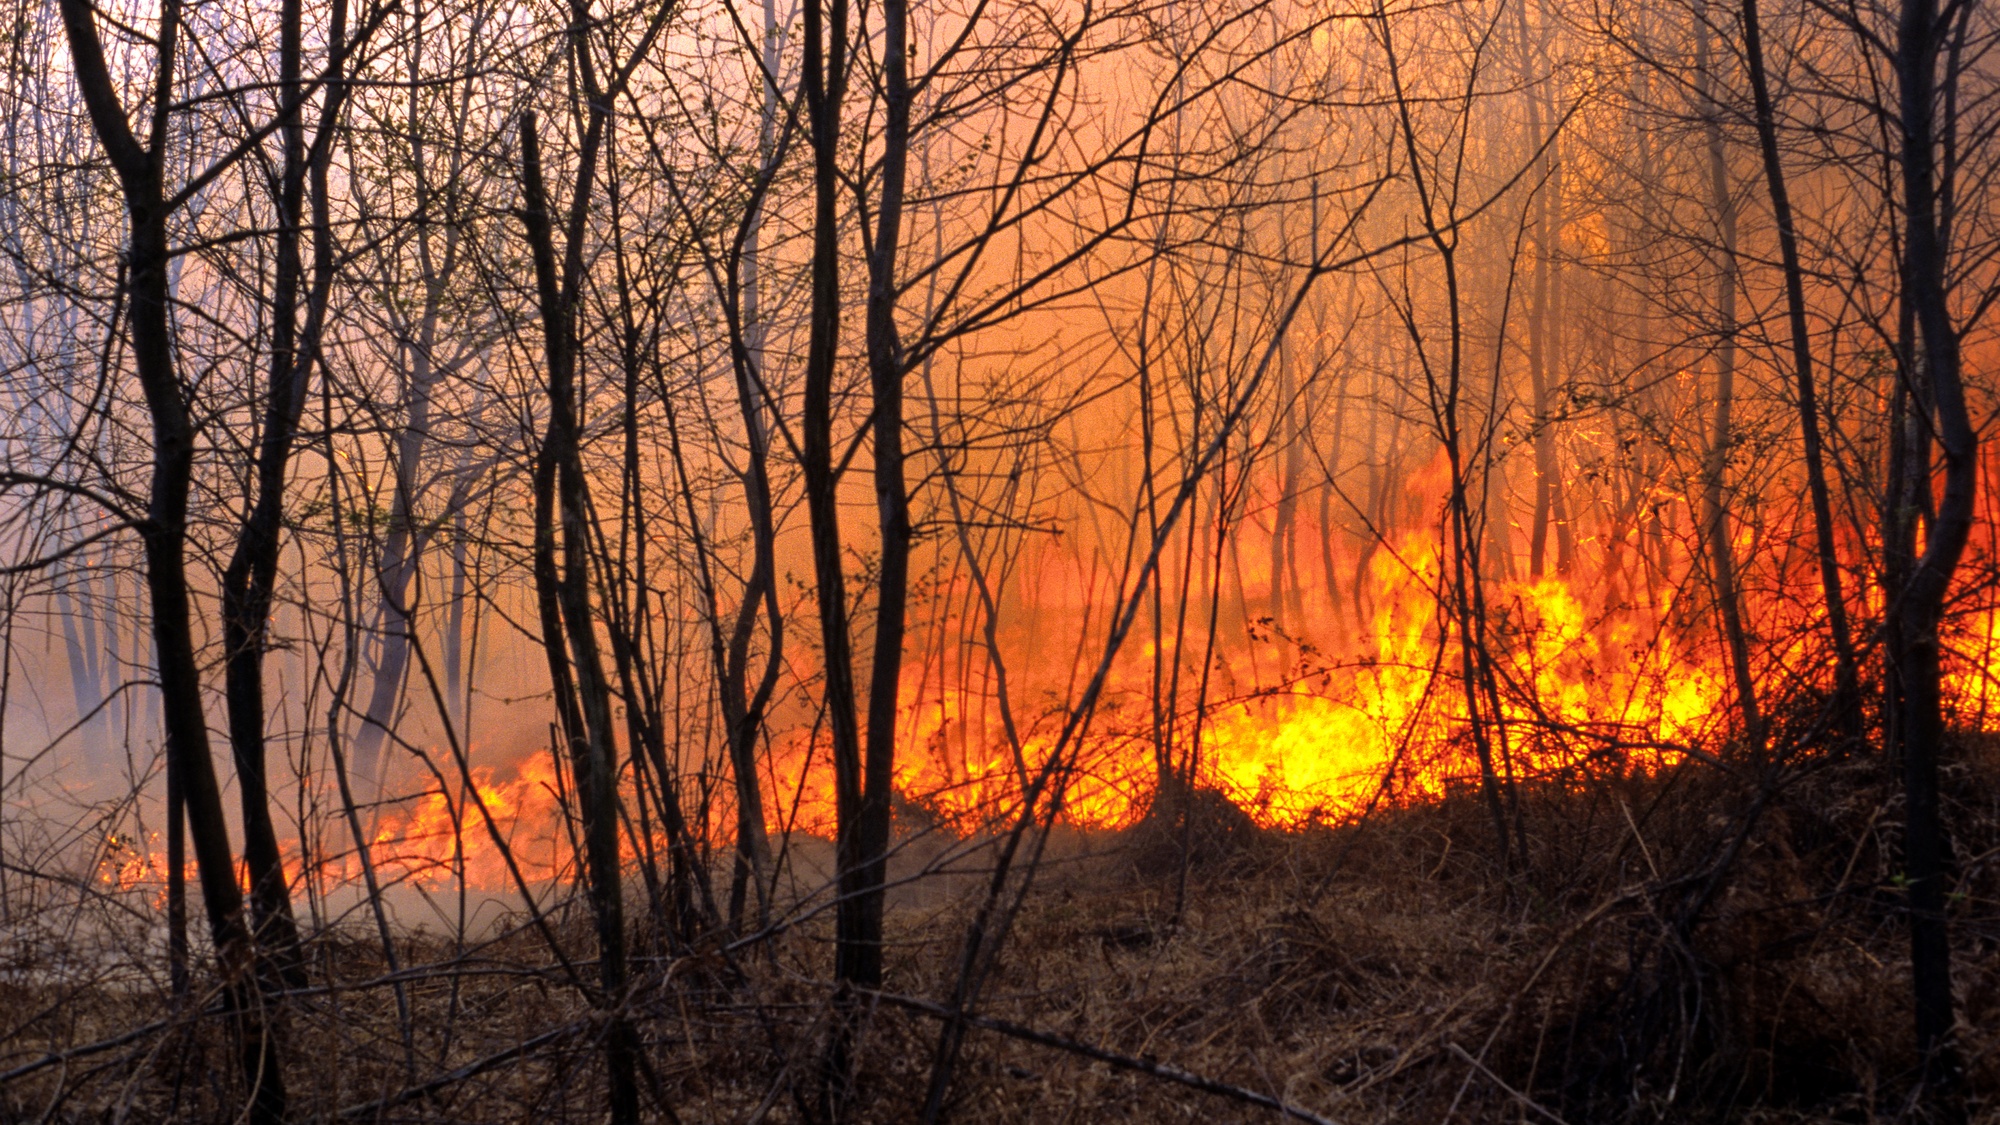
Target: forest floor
pixel 1660 955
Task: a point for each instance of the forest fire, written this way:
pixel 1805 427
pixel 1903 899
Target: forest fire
pixel 437 839
pixel 821 562
pixel 1606 674
pixel 1311 735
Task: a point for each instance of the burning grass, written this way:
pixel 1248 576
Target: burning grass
pixel 1660 954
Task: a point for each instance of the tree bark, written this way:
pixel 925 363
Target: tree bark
pixel 1715 465
pixel 1917 609
pixel 1548 482
pixel 866 843
pixel 252 571
pixel 141 174
pixel 583 693
pixel 1847 689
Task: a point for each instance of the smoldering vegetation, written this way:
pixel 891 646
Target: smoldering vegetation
pixel 1680 945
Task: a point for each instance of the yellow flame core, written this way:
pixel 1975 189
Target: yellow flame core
pixel 1574 673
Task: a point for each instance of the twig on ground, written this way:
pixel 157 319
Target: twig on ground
pixel 469 1070
pixel 1104 1055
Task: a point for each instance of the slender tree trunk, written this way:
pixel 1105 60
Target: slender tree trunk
pixel 1548 486
pixel 1557 374
pixel 404 545
pixel 1917 610
pixel 628 627
pixel 252 571
pixel 86 669
pixel 742 707
pixel 865 839
pixel 1284 517
pixel 455 669
pixel 406 541
pixel 1461 589
pixel 178 979
pixel 1715 467
pixel 140 171
pixel 564 597
pixel 1847 687
pixel 856 959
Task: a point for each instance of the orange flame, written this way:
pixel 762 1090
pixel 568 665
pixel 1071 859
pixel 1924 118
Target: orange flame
pixel 1295 728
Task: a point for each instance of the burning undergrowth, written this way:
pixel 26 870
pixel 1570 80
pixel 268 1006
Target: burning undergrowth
pixel 1685 943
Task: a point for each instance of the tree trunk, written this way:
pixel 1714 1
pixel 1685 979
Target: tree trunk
pixel 1715 466
pixel 583 693
pixel 1917 610
pixel 856 959
pixel 743 707
pixel 1548 484
pixel 247 583
pixel 141 175
pixel 1484 719
pixel 1847 689
pixel 866 842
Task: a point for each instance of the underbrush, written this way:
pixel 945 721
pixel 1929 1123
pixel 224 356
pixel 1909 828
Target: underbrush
pixel 1697 945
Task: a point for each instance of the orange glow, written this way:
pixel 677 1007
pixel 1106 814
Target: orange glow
pixel 445 831
pixel 428 844
pixel 1316 742
pixel 1358 702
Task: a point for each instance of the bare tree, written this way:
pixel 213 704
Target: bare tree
pixel 141 172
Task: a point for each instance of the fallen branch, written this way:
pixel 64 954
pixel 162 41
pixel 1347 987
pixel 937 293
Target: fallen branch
pixel 1101 1054
pixel 1525 1100
pixel 469 1070
pixel 102 1045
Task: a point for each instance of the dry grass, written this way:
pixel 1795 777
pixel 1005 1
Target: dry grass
pixel 1389 971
